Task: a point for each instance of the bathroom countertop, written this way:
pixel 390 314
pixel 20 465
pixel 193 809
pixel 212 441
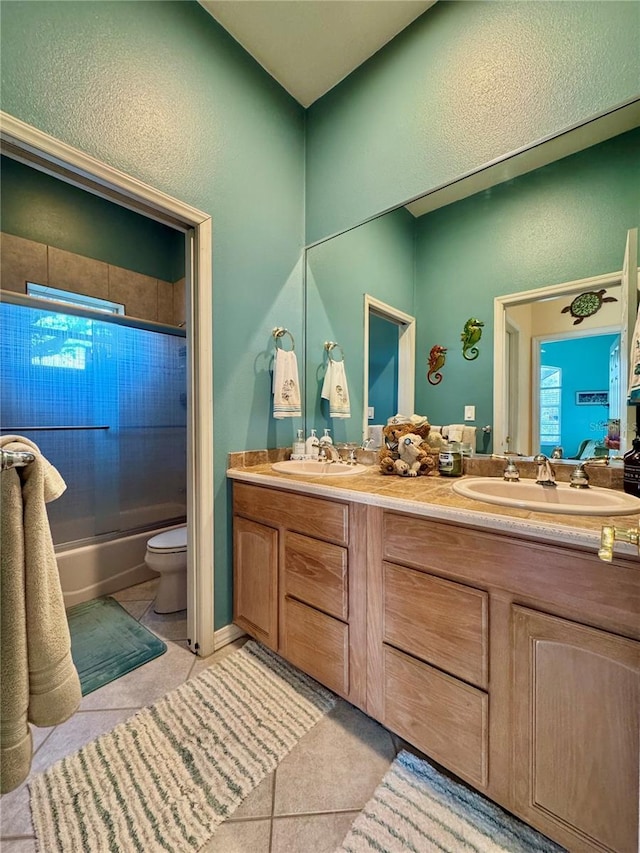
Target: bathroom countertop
pixel 433 497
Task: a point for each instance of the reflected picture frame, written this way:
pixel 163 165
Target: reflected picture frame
pixel 592 398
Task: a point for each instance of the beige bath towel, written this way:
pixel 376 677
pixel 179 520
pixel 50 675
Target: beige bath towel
pixel 39 680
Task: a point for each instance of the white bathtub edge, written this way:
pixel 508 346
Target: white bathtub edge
pixel 88 571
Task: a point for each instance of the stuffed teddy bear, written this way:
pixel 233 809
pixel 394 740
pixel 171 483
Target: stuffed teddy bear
pixel 396 457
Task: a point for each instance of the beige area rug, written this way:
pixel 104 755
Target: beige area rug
pixel 416 809
pixel 166 778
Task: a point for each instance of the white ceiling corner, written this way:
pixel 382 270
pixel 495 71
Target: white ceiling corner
pixel 309 46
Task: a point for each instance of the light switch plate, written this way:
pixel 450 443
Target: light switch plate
pixel 370 412
pixel 469 413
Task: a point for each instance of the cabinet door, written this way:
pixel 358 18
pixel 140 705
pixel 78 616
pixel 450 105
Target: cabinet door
pixel 576 699
pixel 255 574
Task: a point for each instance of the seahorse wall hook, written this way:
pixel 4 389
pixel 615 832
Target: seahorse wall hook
pixel 437 358
pixel 470 336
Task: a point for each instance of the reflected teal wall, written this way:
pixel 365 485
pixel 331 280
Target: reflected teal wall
pixel 376 258
pixel 38 207
pixel 465 83
pixel 585 367
pixel 383 369
pixel 561 223
pixel 160 91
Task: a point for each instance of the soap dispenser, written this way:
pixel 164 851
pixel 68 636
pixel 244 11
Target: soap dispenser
pixel 326 438
pixel 631 471
pixel 298 450
pixel 312 445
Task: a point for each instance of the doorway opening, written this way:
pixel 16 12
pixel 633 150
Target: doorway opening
pixel 389 362
pixel 41 151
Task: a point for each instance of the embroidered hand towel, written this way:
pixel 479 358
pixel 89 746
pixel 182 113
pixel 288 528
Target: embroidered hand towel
pixel 334 389
pixel 286 386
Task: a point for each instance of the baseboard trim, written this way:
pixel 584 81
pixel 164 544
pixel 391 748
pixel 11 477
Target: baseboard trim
pixel 223 636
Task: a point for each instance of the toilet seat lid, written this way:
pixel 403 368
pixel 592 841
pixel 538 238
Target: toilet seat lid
pixel 171 540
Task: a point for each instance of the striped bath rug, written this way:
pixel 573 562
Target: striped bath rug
pixel 166 778
pixel 416 809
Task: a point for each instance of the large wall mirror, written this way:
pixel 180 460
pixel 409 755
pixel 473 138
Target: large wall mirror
pixel 554 216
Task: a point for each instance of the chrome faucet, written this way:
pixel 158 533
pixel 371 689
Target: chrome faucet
pixel 546 474
pixel 510 473
pixel 579 478
pixel 328 452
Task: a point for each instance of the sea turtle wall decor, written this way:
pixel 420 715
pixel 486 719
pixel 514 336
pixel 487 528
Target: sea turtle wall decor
pixel 587 304
pixel 470 336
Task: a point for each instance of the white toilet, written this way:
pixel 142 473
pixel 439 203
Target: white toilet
pixel 167 554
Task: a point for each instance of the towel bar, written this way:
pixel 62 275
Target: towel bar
pixel 330 346
pixel 279 331
pixel 15 459
pixel 48 428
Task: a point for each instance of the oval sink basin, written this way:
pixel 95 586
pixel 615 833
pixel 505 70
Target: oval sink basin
pixel 562 499
pixel 312 468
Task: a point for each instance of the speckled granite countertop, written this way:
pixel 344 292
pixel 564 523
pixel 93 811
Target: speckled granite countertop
pixel 433 497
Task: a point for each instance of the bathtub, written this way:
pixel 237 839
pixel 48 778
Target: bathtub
pixel 92 569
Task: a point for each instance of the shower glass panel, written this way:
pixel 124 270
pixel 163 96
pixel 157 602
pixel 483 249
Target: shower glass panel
pixel 106 404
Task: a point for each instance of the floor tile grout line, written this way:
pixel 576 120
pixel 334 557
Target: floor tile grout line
pixel 319 813
pixel 273 806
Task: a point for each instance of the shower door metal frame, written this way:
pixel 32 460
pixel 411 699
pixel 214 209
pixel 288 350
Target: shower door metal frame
pixel 30 146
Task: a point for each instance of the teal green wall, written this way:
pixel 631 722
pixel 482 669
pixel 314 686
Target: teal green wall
pixel 38 207
pixel 160 91
pixel 580 422
pixel 465 83
pixel 377 258
pixel 563 222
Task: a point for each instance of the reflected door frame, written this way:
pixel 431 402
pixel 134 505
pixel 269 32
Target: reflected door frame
pixel 569 289
pixel 31 146
pixel 406 356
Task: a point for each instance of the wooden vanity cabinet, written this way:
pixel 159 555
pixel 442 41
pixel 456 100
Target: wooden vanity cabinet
pixel 576 703
pixel 299 582
pixel 511 662
pixel 516 665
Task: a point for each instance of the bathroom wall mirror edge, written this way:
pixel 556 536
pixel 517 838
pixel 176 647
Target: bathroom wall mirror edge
pixel 377 269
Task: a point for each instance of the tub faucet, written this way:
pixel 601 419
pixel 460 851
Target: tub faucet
pixel 546 474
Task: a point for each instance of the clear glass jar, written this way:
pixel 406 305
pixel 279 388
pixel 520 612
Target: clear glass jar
pixel 450 460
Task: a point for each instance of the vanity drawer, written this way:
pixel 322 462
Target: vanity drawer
pixel 316 572
pixel 442 622
pixel 441 716
pixel 328 520
pixel 317 644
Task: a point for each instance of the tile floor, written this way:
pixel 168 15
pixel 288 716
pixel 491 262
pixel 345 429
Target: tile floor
pixel 307 803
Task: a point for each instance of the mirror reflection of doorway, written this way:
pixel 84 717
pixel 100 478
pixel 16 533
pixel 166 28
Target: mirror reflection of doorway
pixel 383 369
pixel 565 414
pixel 389 362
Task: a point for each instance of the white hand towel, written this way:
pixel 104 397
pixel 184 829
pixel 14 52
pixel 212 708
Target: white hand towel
pixel 633 392
pixel 286 386
pixel 334 389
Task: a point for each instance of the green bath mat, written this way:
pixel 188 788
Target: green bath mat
pixel 106 642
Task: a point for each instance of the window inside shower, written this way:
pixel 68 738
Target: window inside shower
pixel 104 399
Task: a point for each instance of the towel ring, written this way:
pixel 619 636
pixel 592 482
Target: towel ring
pixel 278 332
pixel 330 346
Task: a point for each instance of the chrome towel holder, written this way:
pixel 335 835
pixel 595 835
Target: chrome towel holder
pixel 15 459
pixel 330 346
pixel 279 332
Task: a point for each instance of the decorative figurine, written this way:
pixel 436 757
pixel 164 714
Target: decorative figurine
pixel 470 336
pixel 587 304
pixel 437 358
